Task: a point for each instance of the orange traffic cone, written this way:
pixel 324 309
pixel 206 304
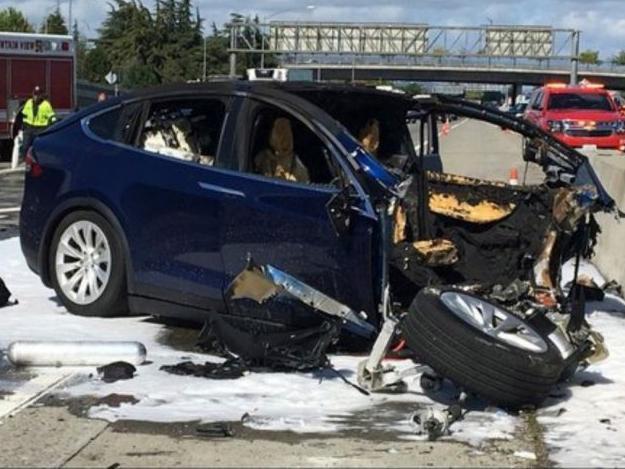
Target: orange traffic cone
pixel 446 128
pixel 513 180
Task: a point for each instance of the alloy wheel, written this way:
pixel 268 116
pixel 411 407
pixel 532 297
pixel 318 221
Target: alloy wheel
pixel 83 262
pixel 494 321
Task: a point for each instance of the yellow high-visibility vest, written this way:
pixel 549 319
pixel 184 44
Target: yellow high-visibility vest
pixel 44 116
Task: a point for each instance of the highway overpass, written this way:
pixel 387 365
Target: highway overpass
pixel 512 76
pixel 502 54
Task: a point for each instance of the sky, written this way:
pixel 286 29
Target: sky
pixel 602 22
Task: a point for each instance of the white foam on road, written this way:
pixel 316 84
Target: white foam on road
pixel 301 402
pixel 306 402
pixel 586 427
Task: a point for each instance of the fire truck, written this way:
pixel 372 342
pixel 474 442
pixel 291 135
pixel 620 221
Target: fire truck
pixel 29 60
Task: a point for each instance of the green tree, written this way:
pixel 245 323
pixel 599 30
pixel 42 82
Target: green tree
pixel 54 23
pixel 148 47
pixel 412 88
pixel 178 56
pixel 217 52
pixel 619 58
pixel 95 65
pixel 12 20
pixel 589 57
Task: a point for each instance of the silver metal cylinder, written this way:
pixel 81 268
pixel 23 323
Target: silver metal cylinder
pixel 74 353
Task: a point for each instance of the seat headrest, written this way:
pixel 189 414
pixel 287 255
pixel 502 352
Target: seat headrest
pixel 281 139
pixel 369 136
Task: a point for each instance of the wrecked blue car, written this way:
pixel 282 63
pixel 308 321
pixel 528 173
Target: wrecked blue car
pixel 280 206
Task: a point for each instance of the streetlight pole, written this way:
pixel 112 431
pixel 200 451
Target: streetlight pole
pixel 267 18
pixel 574 57
pixel 233 55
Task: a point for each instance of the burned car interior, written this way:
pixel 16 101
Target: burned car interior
pixel 487 251
pixel 184 129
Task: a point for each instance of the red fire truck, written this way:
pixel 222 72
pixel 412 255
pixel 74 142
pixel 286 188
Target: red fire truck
pixel 29 60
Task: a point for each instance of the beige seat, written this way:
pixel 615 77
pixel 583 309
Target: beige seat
pixel 280 160
pixel 369 136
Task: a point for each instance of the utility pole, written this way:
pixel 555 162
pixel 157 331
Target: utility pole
pixel 233 54
pixel 69 15
pixel 574 57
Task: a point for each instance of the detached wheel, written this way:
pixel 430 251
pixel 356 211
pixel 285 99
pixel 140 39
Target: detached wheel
pixel 483 347
pixel 87 266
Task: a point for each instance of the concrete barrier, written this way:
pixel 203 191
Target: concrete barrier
pixel 610 249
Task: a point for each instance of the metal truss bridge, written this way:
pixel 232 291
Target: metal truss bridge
pixel 419 52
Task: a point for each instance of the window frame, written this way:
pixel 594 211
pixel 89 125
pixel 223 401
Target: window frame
pixel 124 109
pixel 537 101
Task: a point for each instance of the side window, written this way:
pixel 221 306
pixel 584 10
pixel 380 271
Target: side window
pixel 283 147
pixel 117 124
pixel 185 129
pixel 537 102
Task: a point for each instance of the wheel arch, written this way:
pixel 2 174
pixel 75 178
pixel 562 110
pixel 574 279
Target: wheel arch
pixel 64 209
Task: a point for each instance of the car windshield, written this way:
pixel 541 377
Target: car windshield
pixel 591 101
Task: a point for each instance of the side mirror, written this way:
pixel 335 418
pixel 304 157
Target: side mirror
pixel 340 210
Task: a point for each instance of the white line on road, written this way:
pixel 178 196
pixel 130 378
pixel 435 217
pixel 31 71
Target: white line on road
pixel 32 390
pixel 455 126
pixel 10 210
pixel 11 170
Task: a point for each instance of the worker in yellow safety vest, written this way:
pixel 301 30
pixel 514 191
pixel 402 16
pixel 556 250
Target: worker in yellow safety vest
pixel 37 114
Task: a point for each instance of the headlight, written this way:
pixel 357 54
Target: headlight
pixel 620 126
pixel 555 126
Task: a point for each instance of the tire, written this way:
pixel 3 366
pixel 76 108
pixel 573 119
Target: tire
pixel 107 297
pixel 506 375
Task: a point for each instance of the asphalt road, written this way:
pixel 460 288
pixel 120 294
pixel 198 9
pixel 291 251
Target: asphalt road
pixel 56 433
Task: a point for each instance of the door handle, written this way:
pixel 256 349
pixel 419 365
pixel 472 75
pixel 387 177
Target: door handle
pixel 222 190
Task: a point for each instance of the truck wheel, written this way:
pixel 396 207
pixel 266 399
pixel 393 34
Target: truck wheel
pixel 482 347
pixel 87 266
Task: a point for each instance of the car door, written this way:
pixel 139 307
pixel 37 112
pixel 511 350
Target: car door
pixel 171 221
pixel 287 223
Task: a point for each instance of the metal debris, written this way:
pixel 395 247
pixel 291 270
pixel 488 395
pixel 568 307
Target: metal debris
pixel 434 422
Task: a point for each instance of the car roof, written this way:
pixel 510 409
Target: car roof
pixel 291 93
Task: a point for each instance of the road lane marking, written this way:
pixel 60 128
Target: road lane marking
pixel 10 210
pixel 11 170
pixel 455 126
pixel 32 390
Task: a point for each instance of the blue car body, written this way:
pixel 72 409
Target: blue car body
pixel 188 230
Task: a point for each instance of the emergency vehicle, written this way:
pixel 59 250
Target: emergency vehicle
pixel 29 60
pixel 579 115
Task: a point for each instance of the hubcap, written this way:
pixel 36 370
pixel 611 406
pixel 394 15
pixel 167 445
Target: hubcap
pixel 83 262
pixel 494 321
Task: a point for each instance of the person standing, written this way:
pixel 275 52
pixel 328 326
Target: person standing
pixel 37 115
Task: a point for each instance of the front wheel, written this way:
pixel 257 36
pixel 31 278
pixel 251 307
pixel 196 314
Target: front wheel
pixel 87 266
pixel 483 347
